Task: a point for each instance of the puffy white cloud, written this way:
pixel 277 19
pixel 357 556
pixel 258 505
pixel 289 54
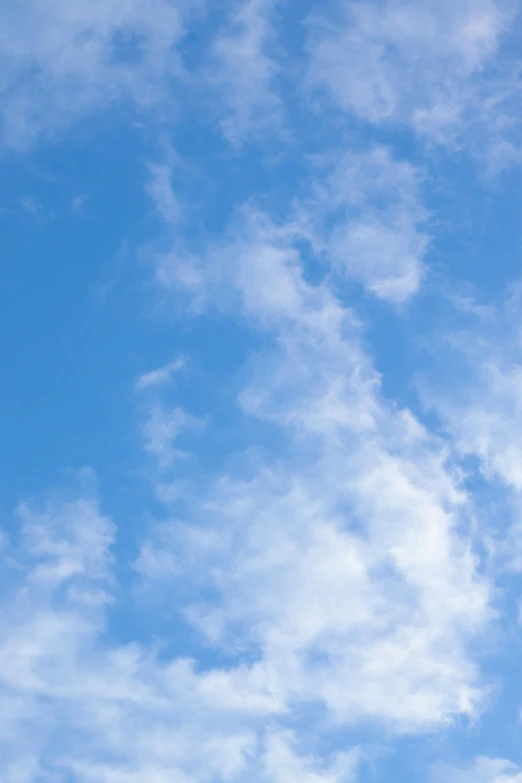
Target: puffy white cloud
pixel 338 575
pixel 77 702
pixel 341 562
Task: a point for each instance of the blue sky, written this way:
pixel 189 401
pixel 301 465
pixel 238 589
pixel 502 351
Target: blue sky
pixel 261 418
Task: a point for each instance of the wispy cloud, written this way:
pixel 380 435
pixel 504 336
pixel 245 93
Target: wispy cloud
pixel 420 64
pixel 162 428
pixel 482 770
pixel 246 69
pixel 160 376
pixel 62 61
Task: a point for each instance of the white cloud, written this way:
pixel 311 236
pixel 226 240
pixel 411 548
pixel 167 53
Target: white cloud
pixel 62 61
pixel 162 427
pixel 363 219
pixel 53 596
pixel 480 408
pixel 334 572
pixel 163 423
pixel 245 71
pixel 32 206
pixel 367 218
pixel 76 702
pixel 181 272
pixel 161 192
pixel 387 259
pixel 488 423
pixel 160 376
pixel 482 770
pixel 343 565
pixel 419 63
pixel 284 766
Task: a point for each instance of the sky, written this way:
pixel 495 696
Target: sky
pixel 261 399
